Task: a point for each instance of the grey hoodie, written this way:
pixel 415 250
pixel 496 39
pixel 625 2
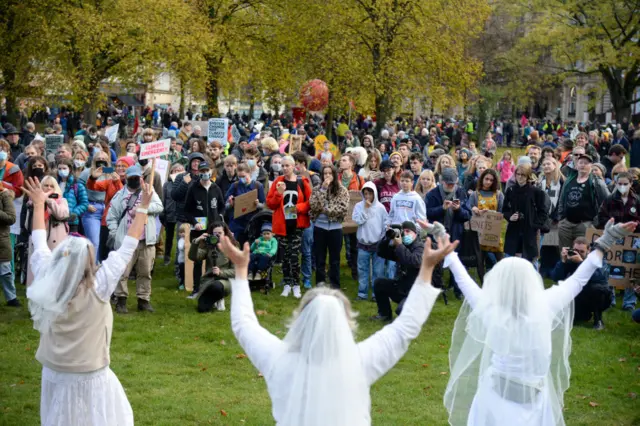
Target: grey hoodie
pixel 371 221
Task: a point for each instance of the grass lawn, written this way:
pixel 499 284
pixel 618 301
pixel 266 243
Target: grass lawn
pixel 183 368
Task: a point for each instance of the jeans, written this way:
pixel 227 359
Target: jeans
pixel 91 225
pixel 368 261
pixel 6 278
pixel 629 299
pixel 330 241
pixel 259 262
pixel 307 244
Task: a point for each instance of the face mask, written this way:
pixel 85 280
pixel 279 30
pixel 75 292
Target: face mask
pixel 133 182
pixel 3 156
pixel 205 176
pixel 243 180
pixel 63 173
pixel 407 239
pixel 251 163
pixel 276 167
pixel 143 162
pixel 37 173
pixel 79 163
pixel 93 137
pixel 623 189
pixel 95 150
pixel 101 164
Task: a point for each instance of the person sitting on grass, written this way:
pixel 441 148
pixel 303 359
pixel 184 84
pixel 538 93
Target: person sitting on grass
pixel 318 374
pixel 263 250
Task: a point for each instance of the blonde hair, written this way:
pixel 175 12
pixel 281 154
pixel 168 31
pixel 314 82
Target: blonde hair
pixel 54 182
pixel 184 228
pixel 230 159
pixel 270 143
pixel 310 295
pixel 557 174
pixel 507 152
pixel 438 168
pixel 101 155
pixel 419 188
pixel 619 168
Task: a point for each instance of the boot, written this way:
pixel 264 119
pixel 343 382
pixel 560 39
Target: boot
pixel 121 305
pixel 598 324
pixel 144 305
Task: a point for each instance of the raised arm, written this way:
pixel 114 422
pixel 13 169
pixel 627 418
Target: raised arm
pixel 468 286
pixel 382 351
pixel 41 255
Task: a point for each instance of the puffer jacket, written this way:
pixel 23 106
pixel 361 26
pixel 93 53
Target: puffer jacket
pixel 77 199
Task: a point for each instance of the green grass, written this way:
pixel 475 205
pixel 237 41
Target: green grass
pixel 182 368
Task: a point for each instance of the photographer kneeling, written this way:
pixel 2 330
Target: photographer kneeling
pixel 595 297
pixel 215 283
pixel 404 247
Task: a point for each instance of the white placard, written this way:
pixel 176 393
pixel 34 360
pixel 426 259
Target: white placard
pixel 218 128
pixel 111 133
pixel 608 118
pixel 585 117
pixel 162 169
pixel 154 149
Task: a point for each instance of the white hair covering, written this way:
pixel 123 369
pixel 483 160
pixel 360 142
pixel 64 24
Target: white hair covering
pixel 327 384
pixel 509 354
pixel 359 153
pixel 57 282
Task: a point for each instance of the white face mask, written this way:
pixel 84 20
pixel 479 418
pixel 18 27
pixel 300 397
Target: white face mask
pixel 79 163
pixel 623 189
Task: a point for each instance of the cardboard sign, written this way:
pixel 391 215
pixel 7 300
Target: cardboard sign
pixel 162 169
pixel 154 149
pixel 235 133
pixel 111 132
pixel 489 228
pixel 52 143
pixel 218 128
pixel 349 226
pixel 295 143
pixel 621 262
pixel 245 203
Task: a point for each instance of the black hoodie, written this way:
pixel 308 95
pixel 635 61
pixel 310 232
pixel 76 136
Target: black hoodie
pixel 180 187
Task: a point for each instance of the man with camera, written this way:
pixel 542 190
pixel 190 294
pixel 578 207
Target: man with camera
pixel 404 247
pixel 595 297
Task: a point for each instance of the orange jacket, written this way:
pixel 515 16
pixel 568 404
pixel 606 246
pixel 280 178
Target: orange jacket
pixel 109 186
pixel 13 179
pixel 275 202
pixel 356 183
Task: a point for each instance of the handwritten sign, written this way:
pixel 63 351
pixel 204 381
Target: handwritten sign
pixel 349 226
pixel 295 143
pixel 621 262
pixel 154 149
pixel 489 228
pixel 245 203
pixel 52 143
pixel 218 128
pixel 235 133
pixel 111 132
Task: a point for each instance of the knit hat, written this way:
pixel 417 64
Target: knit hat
pixel 602 168
pixel 449 176
pixel 410 226
pixel 524 160
pixel 134 171
pixel 315 165
pixel 126 160
pixel 437 152
pixel 266 227
pixel 395 153
pixel 80 144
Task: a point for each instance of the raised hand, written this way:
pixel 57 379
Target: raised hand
pixel 32 188
pixel 239 258
pixel 432 257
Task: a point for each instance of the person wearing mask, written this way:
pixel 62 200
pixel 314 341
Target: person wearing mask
pixel 244 185
pixel 74 192
pixel 92 218
pixel 550 181
pixel 169 217
pixel 204 205
pixel 258 174
pixel 525 210
pixel 275 167
pixel 182 182
pixel 327 210
pixel 581 196
pixel 10 174
pixel 122 216
pixel 7 219
pixel 447 204
pixel 387 186
pixel 595 297
pixel 288 198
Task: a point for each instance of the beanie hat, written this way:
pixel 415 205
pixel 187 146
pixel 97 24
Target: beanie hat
pixel 410 226
pixel 126 160
pixel 266 227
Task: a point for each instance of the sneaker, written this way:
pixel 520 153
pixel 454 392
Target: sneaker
pixel 144 305
pixel 14 303
pixel 121 306
pixel 307 283
pixel 181 287
pixel 360 298
pixel 286 291
pixel 167 261
pixel 193 295
pixel 321 284
pixel 113 299
pixel 598 325
pixel 220 305
pixel 379 317
pixel 628 308
pixel 296 292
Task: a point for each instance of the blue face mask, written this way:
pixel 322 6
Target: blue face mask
pixel 251 163
pixel 243 180
pixel 63 173
pixel 407 239
pixel 3 155
pixel 205 176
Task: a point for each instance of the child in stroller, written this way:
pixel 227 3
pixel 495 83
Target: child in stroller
pixel 263 251
pixel 254 232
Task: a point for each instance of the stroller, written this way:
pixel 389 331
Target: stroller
pixel 253 232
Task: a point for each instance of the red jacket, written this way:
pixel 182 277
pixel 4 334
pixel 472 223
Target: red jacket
pixel 275 202
pixel 13 178
pixel 355 184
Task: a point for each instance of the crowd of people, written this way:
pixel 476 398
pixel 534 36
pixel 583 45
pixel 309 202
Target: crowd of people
pixel 572 177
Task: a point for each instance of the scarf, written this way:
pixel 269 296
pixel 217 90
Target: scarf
pixel 448 213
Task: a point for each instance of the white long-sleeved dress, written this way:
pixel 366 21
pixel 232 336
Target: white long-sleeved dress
pixel 378 353
pixel 488 407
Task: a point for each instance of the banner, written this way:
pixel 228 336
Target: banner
pixel 154 149
pixel 111 133
pixel 52 143
pixel 488 226
pixel 621 262
pixel 218 128
pixel 349 226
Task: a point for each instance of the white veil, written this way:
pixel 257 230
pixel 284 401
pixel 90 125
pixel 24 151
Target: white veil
pixel 327 383
pixel 509 355
pixel 56 282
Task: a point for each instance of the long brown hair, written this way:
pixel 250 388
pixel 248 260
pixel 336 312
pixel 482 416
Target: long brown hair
pixel 334 187
pixel 494 185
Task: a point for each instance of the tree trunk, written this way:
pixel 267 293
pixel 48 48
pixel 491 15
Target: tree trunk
pixel 182 102
pixel 11 97
pixel 382 112
pixel 483 125
pixel 213 88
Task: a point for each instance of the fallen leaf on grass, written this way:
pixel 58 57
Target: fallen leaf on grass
pixel 21 382
pixel 224 413
pixel 27 348
pixel 581 396
pixel 622 360
pixel 203 369
pixel 593 404
pixel 261 312
pixel 278 331
pixel 196 338
pixel 632 395
pixel 425 365
pixel 444 373
pixel 609 387
pixel 222 342
pixel 260 375
pixel 241 356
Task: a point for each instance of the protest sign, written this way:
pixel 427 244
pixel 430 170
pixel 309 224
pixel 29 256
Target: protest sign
pixel 349 226
pixel 154 149
pixel 245 203
pixel 235 133
pixel 111 133
pixel 621 262
pixel 162 170
pixel 585 117
pixel 488 225
pixel 218 128
pixel 52 143
pixel 295 143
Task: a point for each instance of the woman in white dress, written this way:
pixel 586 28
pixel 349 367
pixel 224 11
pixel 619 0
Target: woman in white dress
pixel 318 375
pixel 69 305
pixel 509 354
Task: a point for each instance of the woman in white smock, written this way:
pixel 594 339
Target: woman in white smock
pixel 318 375
pixel 69 305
